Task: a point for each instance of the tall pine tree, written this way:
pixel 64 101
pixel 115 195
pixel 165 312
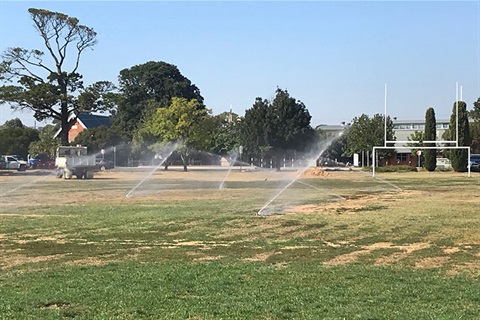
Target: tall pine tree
pixel 430 135
pixel 459 157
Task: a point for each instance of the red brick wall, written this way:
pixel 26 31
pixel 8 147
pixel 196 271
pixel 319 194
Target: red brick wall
pixel 410 161
pixel 74 131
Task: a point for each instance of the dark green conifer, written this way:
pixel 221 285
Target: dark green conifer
pixel 430 135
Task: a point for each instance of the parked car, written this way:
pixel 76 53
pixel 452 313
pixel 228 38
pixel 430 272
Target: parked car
pixel 44 164
pixel 444 163
pixel 475 162
pixel 14 162
pixel 103 164
pixel 41 162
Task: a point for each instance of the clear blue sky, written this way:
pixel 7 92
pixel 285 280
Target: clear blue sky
pixel 335 57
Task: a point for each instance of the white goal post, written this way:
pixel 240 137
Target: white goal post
pixel 374 160
pixel 384 147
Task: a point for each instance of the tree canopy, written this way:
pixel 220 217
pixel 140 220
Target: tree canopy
pixel 15 139
pixel 153 81
pixel 475 126
pixel 430 162
pixel 48 83
pixel 226 133
pixel 46 145
pixel 366 133
pixel 459 158
pixel 184 121
pixel 272 128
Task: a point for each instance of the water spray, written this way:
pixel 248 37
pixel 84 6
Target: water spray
pixel 25 185
pixel 262 212
pixel 321 189
pixel 233 159
pixel 173 147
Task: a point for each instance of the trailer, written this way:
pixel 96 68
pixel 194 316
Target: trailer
pixel 74 161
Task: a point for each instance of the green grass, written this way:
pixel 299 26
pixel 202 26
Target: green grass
pixel 196 252
pixel 234 290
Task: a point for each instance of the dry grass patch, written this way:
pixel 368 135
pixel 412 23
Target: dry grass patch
pixel 263 256
pixel 352 257
pixel 431 262
pixel 14 260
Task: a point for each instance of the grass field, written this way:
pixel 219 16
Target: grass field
pixel 190 245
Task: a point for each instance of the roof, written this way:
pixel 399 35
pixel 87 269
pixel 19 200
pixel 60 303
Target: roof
pixel 90 121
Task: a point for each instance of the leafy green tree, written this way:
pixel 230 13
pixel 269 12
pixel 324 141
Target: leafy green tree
pixel 184 121
pixel 430 162
pixel 417 136
pixel 365 133
pixel 336 143
pixel 226 133
pixel 256 128
pixel 50 90
pixel 336 149
pixel 459 158
pixel 475 112
pixel 13 123
pixel 272 128
pixel 47 144
pixel 16 139
pixel 146 86
pixel 475 126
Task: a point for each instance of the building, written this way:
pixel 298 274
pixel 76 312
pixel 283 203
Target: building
pixel 85 121
pixel 403 130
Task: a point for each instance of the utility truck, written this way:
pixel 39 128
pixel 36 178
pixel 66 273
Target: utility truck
pixel 74 161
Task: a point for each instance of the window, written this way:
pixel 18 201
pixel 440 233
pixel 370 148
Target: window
pixel 419 126
pixel 402 157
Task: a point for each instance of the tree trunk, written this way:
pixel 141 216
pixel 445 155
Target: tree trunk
pixel 278 164
pixel 184 160
pixel 64 108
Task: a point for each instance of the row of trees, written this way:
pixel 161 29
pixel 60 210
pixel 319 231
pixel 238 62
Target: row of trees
pixel 263 132
pixel 458 157
pixel 155 104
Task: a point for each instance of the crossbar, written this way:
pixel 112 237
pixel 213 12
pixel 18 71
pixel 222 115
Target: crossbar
pixel 416 141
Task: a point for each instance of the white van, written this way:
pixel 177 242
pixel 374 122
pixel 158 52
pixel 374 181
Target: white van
pixel 444 163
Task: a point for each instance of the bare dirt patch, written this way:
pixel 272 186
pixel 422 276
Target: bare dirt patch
pixel 208 258
pixel 14 260
pixel 432 262
pixel 316 172
pixel 263 256
pixel 351 205
pixel 351 257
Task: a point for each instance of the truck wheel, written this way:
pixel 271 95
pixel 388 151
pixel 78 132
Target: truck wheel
pixel 67 174
pixel 80 174
pixel 59 173
pixel 22 167
pixel 89 174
